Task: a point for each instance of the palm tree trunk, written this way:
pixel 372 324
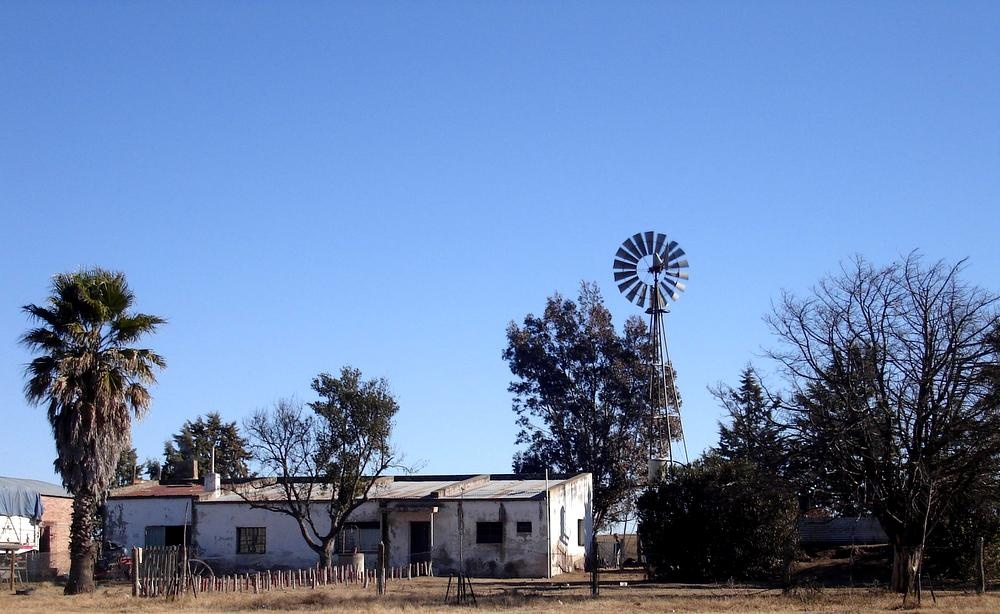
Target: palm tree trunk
pixel 81 546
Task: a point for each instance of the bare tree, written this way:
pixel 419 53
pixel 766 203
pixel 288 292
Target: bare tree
pixel 892 370
pixel 318 466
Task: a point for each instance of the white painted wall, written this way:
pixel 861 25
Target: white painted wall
pixel 453 526
pixel 127 519
pixel 20 530
pixel 576 498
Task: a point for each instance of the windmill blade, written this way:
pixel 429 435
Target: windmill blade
pixel 620 275
pixel 674 255
pixel 631 294
pixel 660 238
pixel 677 273
pixel 631 248
pixel 648 236
pixel 625 285
pixel 624 265
pixel 624 255
pixel 642 296
pixel 680 264
pixel 640 243
pixel 661 298
pixel 677 285
pixel 670 292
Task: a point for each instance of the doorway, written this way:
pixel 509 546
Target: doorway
pixel 420 541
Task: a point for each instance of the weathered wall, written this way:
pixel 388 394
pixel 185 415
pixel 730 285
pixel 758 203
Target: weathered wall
pixel 518 555
pixel 568 503
pixel 127 519
pixel 454 532
pixel 56 520
pixel 285 547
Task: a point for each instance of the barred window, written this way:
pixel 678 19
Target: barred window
pixel 251 540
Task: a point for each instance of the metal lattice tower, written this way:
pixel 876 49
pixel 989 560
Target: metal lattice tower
pixel 648 270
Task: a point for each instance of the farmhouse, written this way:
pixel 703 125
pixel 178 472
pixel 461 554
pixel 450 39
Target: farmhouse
pixel 34 521
pixel 487 525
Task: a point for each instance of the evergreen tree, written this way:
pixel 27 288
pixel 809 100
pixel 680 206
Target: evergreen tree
pixel 195 442
pixel 752 434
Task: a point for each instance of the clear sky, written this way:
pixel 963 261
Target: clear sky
pixel 301 185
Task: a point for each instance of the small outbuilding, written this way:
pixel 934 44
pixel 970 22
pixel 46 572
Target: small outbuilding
pixel 35 518
pixel 497 525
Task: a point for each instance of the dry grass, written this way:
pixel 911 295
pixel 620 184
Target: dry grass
pixel 571 594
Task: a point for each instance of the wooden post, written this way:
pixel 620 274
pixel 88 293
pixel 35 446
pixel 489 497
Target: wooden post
pixel 136 559
pixel 380 579
pixel 980 568
pixel 595 586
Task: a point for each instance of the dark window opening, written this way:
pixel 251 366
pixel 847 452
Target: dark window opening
pixel 45 539
pixel 251 540
pixel 168 535
pixel 579 532
pixel 524 527
pixel 489 532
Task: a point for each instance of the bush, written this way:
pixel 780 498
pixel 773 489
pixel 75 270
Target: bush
pixel 718 519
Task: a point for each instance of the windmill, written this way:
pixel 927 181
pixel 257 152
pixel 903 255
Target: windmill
pixel 648 270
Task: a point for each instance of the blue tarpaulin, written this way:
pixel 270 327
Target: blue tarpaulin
pixel 17 499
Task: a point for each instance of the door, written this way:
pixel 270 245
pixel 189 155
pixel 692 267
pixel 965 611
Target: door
pixel 420 542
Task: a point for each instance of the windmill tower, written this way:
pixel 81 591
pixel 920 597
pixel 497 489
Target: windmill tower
pixel 648 270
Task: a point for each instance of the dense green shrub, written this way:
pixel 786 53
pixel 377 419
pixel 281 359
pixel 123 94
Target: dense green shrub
pixel 718 519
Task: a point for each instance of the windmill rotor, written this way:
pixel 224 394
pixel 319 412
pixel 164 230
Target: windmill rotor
pixel 649 269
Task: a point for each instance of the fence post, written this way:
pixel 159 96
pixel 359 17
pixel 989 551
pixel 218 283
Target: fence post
pixel 595 587
pixel 136 559
pixel 980 568
pixel 380 577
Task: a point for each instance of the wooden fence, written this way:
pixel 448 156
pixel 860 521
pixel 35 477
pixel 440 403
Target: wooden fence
pixel 163 572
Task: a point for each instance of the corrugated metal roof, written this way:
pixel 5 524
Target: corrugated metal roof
pixel 153 488
pixel 500 486
pixel 45 489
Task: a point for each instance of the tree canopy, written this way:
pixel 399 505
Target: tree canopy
pixel 326 461
pixel 127 469
pixel 717 519
pixel 197 439
pixel 893 373
pixel 93 382
pixel 753 433
pixel 580 396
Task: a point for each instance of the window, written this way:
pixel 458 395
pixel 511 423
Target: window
pixel 489 532
pixel 579 532
pixel 365 536
pixel 168 535
pixel 524 527
pixel 251 540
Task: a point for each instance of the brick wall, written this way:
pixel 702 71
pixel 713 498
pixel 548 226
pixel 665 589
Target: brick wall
pixel 56 522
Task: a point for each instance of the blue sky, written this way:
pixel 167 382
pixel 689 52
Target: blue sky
pixel 299 186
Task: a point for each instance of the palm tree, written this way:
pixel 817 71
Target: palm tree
pixel 92 383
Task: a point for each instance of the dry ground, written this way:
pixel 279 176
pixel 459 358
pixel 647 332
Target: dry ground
pixel 570 594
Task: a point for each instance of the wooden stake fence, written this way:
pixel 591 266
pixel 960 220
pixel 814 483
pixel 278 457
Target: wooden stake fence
pixel 156 578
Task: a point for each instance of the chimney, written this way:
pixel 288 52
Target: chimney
pixel 213 484
pixel 194 469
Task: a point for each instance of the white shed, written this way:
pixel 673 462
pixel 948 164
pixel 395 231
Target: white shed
pixel 487 525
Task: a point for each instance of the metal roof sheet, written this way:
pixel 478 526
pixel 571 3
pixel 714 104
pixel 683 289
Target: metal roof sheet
pixel 499 486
